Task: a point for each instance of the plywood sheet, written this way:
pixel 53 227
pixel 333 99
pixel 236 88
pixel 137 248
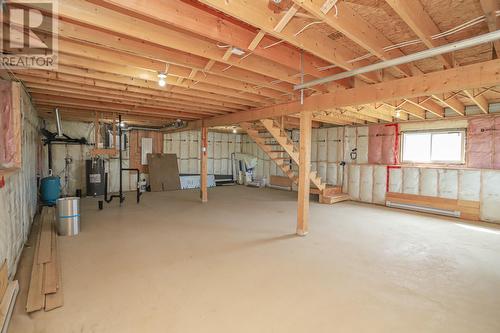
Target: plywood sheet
pixel 163 172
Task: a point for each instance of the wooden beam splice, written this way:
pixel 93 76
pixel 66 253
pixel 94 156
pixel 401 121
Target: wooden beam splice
pixel 286 18
pixel 478 99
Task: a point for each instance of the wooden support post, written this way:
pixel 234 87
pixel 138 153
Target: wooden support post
pixel 304 171
pixel 204 166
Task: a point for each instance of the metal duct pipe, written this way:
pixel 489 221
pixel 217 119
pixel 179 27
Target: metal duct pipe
pixel 59 125
pixel 486 38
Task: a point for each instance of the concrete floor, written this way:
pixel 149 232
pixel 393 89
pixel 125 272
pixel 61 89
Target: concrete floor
pixel 172 264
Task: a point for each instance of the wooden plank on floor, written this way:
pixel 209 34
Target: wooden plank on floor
pixel 50 270
pixel 56 300
pixel 4 278
pixel 36 300
pixel 44 252
pixel 7 305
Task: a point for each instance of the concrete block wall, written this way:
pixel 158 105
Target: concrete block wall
pixel 18 198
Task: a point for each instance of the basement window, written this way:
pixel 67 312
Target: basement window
pixel 435 147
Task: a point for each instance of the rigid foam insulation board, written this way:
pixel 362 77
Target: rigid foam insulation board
pixel 379 184
pixel 362 145
pixel 411 180
pixel 429 182
pixel 333 145
pixel 448 184
pixel 354 181
pixel 396 180
pixel 490 196
pixel 314 166
pixel 366 183
pixel 469 187
pixel 331 173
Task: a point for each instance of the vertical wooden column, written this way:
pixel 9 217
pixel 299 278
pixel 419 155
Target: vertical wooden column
pixel 304 171
pixel 204 165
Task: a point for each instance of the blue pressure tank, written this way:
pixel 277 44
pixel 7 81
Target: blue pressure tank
pixel 50 190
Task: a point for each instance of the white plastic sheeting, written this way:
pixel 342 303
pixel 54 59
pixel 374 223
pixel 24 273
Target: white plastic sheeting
pixel 379 184
pixel 469 185
pixel 448 184
pixel 490 198
pixel 186 145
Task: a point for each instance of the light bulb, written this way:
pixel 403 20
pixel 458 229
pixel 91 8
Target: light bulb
pixel 234 130
pixel 398 113
pixel 161 79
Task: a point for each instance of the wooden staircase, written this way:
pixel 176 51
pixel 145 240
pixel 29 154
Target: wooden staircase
pixel 288 153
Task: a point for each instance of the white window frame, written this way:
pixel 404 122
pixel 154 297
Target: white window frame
pixel 433 162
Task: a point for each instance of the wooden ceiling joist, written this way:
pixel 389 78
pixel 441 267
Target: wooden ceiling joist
pixel 467 77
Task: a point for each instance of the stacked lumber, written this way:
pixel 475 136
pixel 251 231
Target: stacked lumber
pixel 8 294
pixel 45 290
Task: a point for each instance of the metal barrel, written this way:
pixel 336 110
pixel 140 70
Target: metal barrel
pixel 68 216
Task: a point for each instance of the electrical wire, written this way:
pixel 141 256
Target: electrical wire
pixel 446 33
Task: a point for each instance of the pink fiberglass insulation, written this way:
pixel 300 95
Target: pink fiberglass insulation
pixel 381 144
pixel 7 140
pixel 480 143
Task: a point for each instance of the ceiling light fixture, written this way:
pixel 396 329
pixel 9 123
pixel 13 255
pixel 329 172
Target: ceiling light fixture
pixel 237 51
pixel 398 113
pixel 161 79
pixel 234 130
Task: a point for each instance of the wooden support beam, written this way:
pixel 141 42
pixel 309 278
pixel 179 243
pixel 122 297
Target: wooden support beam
pixel 356 28
pixel 257 14
pixel 414 15
pixel 490 8
pixel 451 102
pixel 428 105
pixel 304 172
pixel 256 40
pixel 466 77
pixel 204 165
pixel 290 13
pixel 478 99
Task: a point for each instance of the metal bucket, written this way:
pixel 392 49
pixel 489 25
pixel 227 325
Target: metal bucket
pixel 68 216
